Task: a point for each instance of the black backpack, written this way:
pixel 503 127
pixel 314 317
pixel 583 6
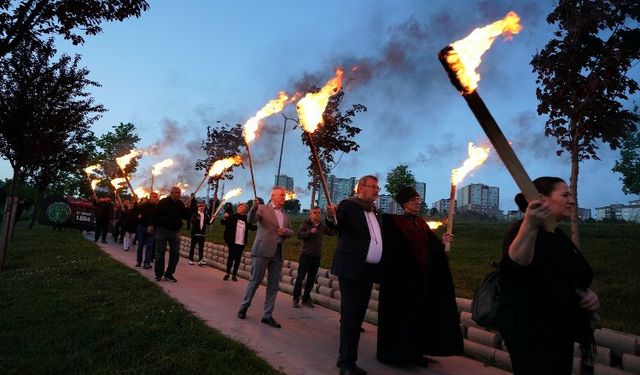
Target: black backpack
pixel 486 300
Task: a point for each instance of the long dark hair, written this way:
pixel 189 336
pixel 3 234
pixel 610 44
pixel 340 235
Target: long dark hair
pixel 545 185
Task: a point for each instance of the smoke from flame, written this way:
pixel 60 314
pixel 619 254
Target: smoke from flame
pixel 274 106
pixel 157 168
pixel 221 165
pixel 312 106
pixel 465 57
pixel 477 156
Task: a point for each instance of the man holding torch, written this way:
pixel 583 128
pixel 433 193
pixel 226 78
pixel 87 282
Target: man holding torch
pixel 356 263
pixel 267 253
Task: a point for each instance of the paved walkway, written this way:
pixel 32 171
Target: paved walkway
pixel 308 340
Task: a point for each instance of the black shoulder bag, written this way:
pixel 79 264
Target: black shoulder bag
pixel 486 299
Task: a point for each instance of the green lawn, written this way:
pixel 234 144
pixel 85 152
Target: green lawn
pixel 612 250
pixel 66 307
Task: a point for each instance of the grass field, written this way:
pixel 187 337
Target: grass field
pixel 68 308
pixel 612 250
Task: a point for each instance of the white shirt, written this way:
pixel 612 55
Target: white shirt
pixel 279 216
pixel 374 254
pixel 240 228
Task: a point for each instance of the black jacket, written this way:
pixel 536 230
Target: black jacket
pixel 169 214
pixel 230 228
pixel 195 224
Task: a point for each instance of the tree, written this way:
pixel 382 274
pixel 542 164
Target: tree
pixel 292 206
pixel 30 20
pixel 334 135
pixel 398 178
pixel 114 144
pixel 223 141
pixel 45 110
pixel 582 79
pixel 629 164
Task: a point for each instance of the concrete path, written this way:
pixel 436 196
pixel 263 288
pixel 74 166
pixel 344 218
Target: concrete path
pixel 308 340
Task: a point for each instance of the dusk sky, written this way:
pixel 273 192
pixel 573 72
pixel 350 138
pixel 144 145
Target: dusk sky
pixel 185 65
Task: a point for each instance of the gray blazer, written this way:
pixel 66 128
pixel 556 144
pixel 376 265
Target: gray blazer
pixel 267 239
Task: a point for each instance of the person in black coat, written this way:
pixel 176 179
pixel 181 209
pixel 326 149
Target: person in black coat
pixel 129 224
pixel 356 263
pixel 103 217
pixel 199 222
pixel 417 312
pixel 236 233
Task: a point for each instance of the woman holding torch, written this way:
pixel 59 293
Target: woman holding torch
pixel 546 302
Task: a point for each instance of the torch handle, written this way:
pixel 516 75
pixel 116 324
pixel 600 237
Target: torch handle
pixel 452 208
pixel 133 193
pixel 321 173
pixel 217 210
pixel 152 181
pixel 200 184
pixel 253 181
pixel 504 150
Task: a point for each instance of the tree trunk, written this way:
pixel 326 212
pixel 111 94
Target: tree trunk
pixel 313 192
pixel 8 218
pixel 573 188
pixel 36 210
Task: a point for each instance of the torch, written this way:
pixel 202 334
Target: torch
pixel 460 59
pixel 477 156
pixel 117 184
pixel 157 169
pixel 250 128
pixel 218 168
pixel 232 193
pixel 310 110
pixel 89 171
pixel 122 162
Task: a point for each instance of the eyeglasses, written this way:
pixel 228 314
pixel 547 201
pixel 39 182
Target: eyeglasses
pixel 374 187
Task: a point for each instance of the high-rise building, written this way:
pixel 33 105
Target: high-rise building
pixel 441 205
pixel 421 188
pixel 284 181
pixel 339 189
pixel 479 198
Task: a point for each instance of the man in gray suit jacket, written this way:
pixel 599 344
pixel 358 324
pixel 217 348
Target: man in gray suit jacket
pixel 267 252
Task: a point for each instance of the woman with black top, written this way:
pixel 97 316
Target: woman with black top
pixel 546 302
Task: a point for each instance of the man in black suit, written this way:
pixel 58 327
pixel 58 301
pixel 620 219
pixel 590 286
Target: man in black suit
pixel 356 263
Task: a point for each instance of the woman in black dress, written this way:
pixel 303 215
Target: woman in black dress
pixel 546 301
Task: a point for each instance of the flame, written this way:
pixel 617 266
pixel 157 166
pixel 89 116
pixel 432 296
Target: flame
pixel 94 183
pixel 157 168
pixel 118 182
pixel 141 192
pixel 232 193
pixel 274 106
pixel 126 159
pixel 434 224
pixel 182 186
pixel 289 195
pixel 477 156
pixel 312 106
pixel 222 165
pixel 465 57
pixel 90 169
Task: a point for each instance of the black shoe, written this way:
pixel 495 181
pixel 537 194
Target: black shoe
pixel 226 277
pixel 138 264
pixel 353 370
pixel 170 278
pixel 146 266
pixel 307 303
pixel 295 304
pixel 242 314
pixel 158 278
pixel 272 322
pixel 234 278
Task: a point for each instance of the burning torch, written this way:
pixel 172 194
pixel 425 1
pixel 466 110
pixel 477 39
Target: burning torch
pixel 157 169
pixel 310 110
pixel 89 171
pixel 477 156
pixel 218 168
pixel 251 127
pixel 123 161
pixel 117 184
pixel 460 59
pixel 232 193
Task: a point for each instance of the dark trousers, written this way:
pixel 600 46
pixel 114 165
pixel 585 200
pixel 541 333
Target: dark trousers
pixel 118 231
pixel 354 299
pixel 308 266
pixel 196 240
pixel 539 355
pixel 164 237
pixel 147 239
pixel 235 254
pixel 102 227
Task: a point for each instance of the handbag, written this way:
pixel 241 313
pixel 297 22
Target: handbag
pixel 486 300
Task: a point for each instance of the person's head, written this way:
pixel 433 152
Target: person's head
pixel 277 196
pixel 409 199
pixel 368 188
pixel 153 198
pixel 175 193
pixel 241 209
pixel 314 214
pixel 201 207
pixel 555 192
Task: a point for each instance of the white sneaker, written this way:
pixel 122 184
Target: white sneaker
pixel 202 262
pixel 191 262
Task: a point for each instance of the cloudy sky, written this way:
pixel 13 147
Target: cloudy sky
pixel 185 65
